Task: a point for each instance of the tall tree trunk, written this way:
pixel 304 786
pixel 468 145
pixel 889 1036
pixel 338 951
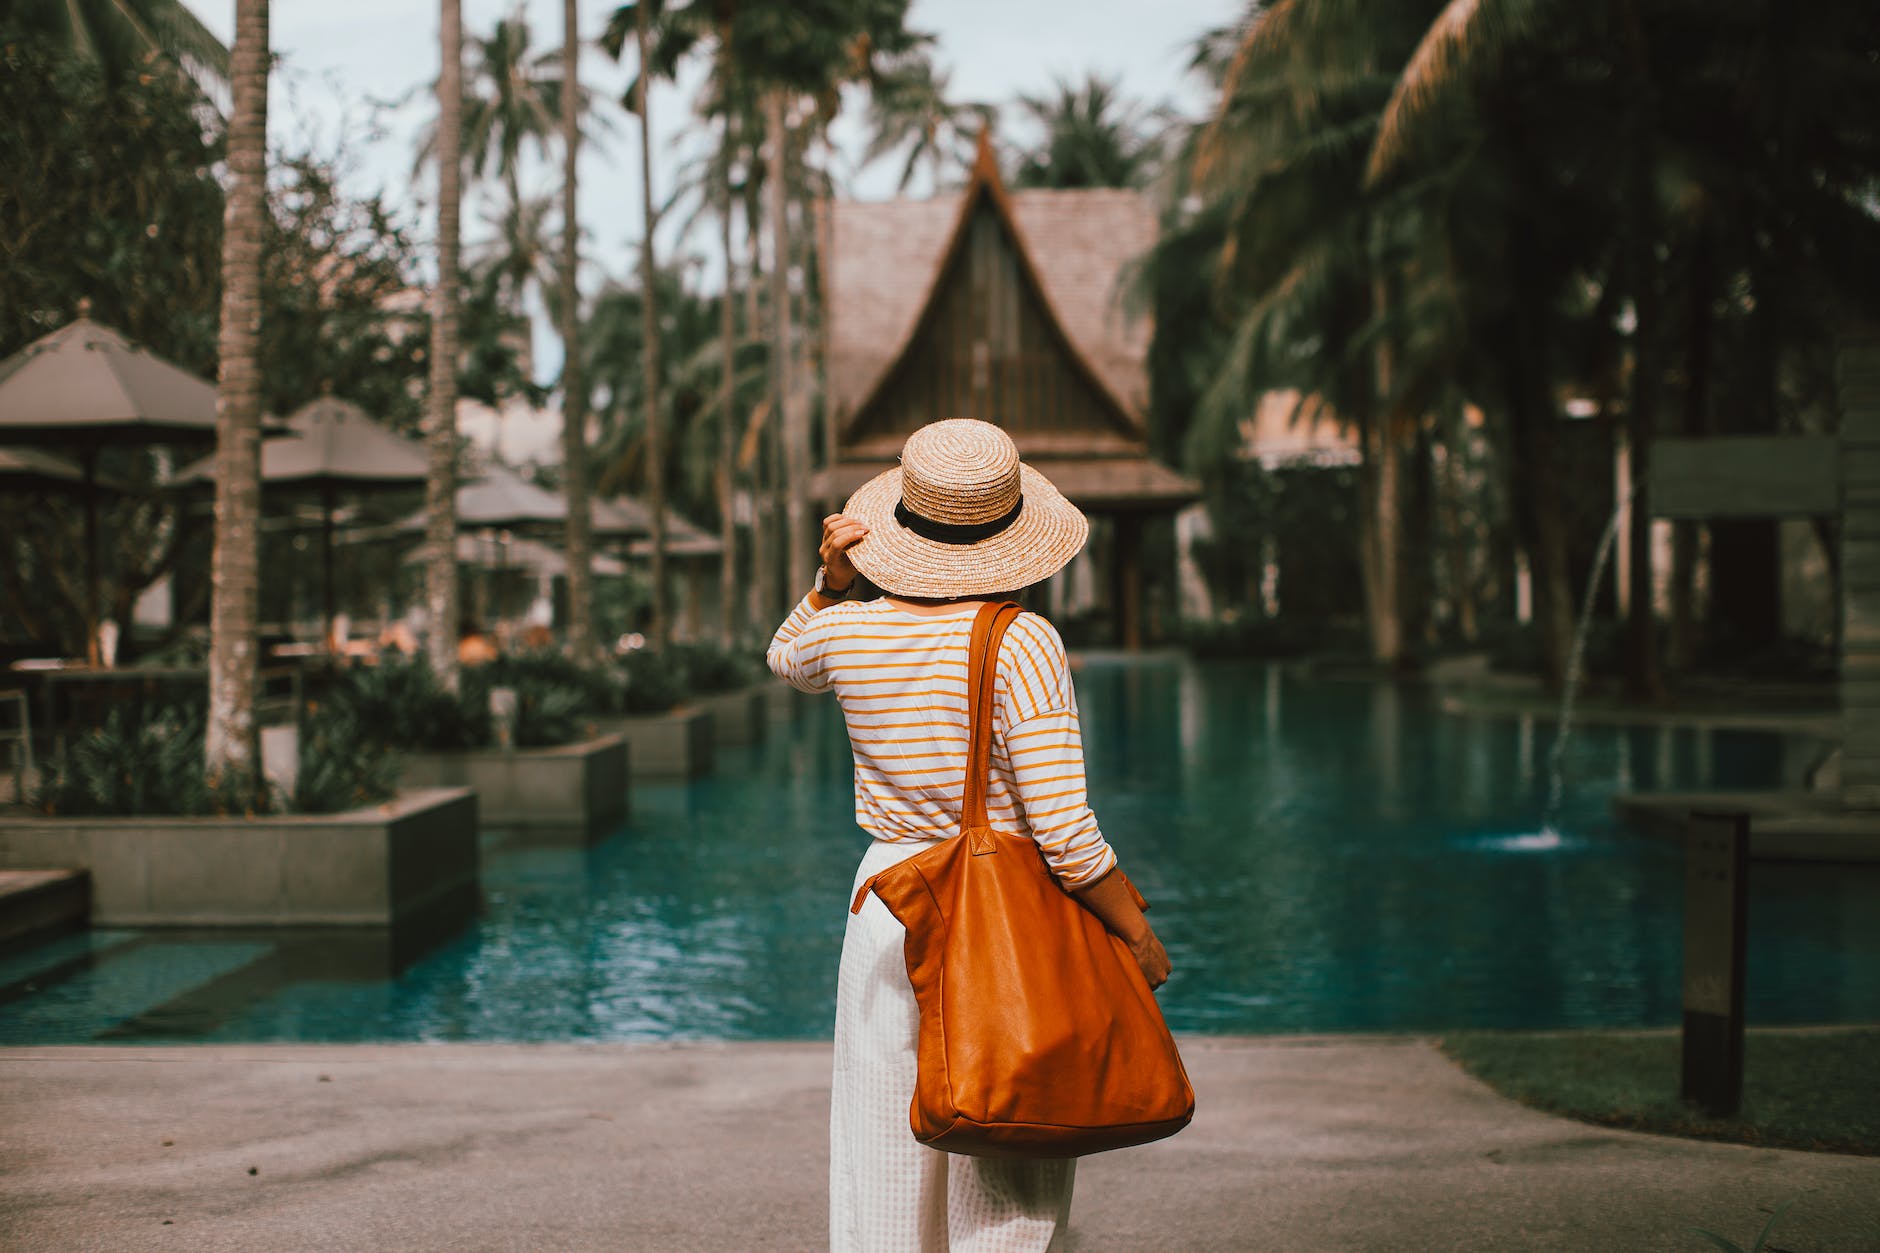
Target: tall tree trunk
pixel 793 425
pixel 728 386
pixel 1380 480
pixel 1458 538
pixel 1643 682
pixel 230 749
pixel 649 312
pixel 1550 553
pixel 519 298
pixel 763 591
pixel 1533 493
pixel 573 382
pixel 1745 553
pixel 440 417
pixel 1416 549
pixel 1685 532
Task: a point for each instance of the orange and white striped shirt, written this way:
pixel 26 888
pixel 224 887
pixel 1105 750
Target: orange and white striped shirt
pixel 901 680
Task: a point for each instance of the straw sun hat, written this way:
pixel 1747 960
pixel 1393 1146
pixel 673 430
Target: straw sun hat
pixel 962 516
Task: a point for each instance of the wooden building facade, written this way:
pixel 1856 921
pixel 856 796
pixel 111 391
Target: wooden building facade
pixel 1001 306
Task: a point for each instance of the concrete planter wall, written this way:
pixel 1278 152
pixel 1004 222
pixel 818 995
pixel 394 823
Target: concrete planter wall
pixel 739 717
pixel 577 790
pixel 676 744
pixel 411 860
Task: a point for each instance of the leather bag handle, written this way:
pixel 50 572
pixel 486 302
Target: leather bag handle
pixel 982 672
pixel 982 666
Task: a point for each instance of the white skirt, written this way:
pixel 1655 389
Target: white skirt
pixel 888 1193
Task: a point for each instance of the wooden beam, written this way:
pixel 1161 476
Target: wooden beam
pixel 1128 576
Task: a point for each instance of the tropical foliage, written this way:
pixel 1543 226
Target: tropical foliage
pixel 1087 135
pixel 1405 210
pixel 123 175
pixel 111 196
pixel 124 38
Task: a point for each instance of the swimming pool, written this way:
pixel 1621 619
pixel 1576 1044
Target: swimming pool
pixel 1321 856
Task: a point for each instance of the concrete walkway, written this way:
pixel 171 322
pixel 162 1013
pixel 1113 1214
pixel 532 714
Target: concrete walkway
pixel 1300 1144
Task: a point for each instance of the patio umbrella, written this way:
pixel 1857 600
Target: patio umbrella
pixel 502 498
pixel 499 499
pixel 683 539
pixel 335 447
pixel 528 555
pixel 85 386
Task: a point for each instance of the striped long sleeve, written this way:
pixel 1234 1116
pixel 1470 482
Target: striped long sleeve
pixel 790 656
pixel 901 681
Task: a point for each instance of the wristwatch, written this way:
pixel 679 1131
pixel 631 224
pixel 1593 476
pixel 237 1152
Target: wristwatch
pixel 825 591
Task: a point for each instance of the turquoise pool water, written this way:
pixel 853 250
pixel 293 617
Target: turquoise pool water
pixel 1321 857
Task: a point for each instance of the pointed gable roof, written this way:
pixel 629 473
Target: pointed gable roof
pixel 885 262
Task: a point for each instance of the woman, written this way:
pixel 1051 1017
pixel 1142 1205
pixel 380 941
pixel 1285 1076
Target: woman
pixel 959 522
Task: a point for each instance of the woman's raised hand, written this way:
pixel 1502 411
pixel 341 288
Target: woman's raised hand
pixel 840 532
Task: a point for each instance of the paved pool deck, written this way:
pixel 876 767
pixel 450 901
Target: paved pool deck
pixel 1333 1143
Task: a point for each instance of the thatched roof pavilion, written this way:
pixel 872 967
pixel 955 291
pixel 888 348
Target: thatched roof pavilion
pixel 1004 306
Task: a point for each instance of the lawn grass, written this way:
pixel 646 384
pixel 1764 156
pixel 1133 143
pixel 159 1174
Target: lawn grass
pixel 1808 1089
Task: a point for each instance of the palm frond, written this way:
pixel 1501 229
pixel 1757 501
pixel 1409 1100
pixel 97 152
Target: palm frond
pixel 1466 37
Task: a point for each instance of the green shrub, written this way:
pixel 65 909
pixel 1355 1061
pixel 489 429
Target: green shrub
pixel 146 765
pixel 548 714
pixel 706 668
pixel 598 690
pixel 655 682
pixel 401 705
pixel 343 763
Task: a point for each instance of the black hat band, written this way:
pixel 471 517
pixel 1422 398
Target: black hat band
pixel 955 533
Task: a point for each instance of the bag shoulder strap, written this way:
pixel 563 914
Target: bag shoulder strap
pixel 982 670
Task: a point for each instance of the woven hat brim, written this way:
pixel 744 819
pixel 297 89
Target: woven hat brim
pixel 1048 532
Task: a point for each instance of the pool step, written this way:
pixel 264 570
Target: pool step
pixel 39 902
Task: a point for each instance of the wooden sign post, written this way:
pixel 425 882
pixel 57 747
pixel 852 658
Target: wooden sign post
pixel 1716 878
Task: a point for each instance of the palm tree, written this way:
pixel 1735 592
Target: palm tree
pixel 691 382
pixel 1092 137
pixel 861 42
pixel 512 104
pixel 125 36
pixel 230 749
pixel 1300 256
pixel 727 481
pixel 519 254
pixel 440 488
pixel 574 396
pixel 779 55
pixel 1465 43
pixel 909 110
pixel 655 460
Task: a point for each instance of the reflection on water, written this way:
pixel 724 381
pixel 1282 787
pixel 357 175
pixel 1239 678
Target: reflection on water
pixel 1321 857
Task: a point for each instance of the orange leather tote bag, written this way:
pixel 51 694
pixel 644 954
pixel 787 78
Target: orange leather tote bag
pixel 1039 1035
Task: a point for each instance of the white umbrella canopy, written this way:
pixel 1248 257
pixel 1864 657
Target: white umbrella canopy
pixel 503 498
pixel 334 446
pixel 524 555
pixel 683 539
pixel 84 386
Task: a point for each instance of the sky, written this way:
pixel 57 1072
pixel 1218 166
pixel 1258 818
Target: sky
pixel 354 75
